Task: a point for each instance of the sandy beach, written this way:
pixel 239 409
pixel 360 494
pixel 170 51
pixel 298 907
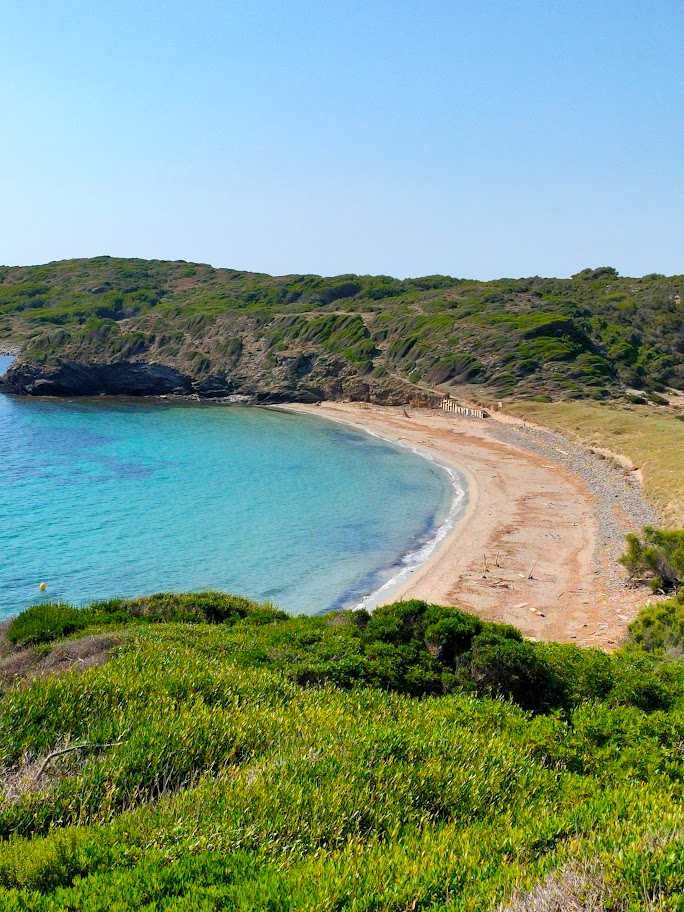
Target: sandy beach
pixel 530 548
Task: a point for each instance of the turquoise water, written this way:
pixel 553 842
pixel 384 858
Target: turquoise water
pixel 100 499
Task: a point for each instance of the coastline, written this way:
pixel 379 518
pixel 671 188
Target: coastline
pixel 537 539
pixel 527 546
pixel 408 564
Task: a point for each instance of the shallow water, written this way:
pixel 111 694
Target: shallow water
pixel 116 498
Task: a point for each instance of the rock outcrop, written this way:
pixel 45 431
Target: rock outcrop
pixel 295 377
pixel 69 378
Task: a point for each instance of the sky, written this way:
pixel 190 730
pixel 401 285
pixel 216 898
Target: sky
pixel 476 139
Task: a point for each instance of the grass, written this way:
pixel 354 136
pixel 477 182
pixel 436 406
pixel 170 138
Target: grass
pixel 651 437
pixel 232 780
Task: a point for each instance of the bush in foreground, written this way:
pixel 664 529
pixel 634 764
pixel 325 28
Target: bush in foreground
pixel 42 623
pixel 206 778
pixel 659 628
pixel 410 647
pixel 420 649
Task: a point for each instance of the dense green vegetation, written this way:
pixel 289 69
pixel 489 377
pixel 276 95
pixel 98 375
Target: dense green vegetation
pixel 659 628
pixel 226 756
pixel 410 647
pixel 50 620
pixel 592 335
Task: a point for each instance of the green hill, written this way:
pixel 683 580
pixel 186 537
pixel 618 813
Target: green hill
pixel 135 326
pixel 203 752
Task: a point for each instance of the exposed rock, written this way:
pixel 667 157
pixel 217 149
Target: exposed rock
pixel 304 376
pixel 216 386
pixel 69 378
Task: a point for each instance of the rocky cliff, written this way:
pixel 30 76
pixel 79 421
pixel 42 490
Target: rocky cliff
pixel 303 373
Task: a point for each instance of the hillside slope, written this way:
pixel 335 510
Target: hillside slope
pixel 150 327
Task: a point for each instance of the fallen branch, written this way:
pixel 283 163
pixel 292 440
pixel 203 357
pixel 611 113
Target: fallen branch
pixel 68 750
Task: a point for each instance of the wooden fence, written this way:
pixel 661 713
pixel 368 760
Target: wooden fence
pixel 447 404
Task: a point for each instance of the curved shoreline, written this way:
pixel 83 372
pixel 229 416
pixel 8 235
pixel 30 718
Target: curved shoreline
pixel 527 549
pixel 400 585
pixel 414 561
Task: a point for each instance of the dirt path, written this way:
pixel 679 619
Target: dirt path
pixel 525 551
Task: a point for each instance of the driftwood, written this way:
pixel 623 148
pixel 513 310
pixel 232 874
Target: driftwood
pixel 68 750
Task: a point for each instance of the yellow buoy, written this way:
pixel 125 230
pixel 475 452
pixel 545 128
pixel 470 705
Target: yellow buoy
pixel 43 587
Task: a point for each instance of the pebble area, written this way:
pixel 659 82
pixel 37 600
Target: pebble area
pixel 621 506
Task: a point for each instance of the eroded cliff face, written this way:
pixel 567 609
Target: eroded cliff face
pixel 70 378
pixel 253 372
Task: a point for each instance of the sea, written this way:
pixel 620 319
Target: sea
pixel 112 498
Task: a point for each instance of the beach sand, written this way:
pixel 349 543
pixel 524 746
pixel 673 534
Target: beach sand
pixel 525 550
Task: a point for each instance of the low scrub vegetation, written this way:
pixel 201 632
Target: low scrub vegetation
pixel 226 756
pixel 659 628
pixel 410 647
pixel 656 557
pixel 48 621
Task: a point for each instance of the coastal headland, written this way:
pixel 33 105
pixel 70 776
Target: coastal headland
pixel 544 523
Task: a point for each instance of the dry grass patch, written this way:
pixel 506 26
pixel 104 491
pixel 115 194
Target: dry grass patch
pixel 71 655
pixel 34 774
pixel 575 888
pixel 651 437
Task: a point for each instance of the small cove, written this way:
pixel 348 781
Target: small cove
pixel 105 498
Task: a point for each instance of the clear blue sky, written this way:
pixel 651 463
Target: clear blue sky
pixel 470 138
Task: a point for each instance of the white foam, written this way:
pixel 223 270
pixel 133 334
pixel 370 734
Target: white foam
pixel 411 561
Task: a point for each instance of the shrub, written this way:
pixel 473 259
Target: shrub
pixel 398 623
pixel 638 682
pixel 660 627
pixel 420 649
pixel 588 674
pixel 516 671
pixel 657 558
pixel 452 635
pixel 42 623
pixel 189 607
pixel 598 273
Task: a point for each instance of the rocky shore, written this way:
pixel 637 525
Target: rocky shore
pixel 304 377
